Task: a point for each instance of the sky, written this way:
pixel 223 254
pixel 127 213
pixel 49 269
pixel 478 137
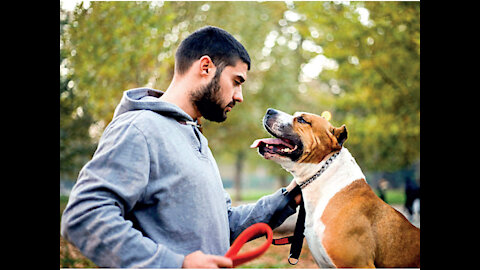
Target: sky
pixel 70 4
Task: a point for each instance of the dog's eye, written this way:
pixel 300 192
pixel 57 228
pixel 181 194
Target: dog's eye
pixel 302 120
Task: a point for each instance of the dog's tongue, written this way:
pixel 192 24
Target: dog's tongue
pixel 274 141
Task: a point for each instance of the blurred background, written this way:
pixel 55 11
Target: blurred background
pixel 360 61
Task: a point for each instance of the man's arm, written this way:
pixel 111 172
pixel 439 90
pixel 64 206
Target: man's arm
pixel 241 217
pixel 107 188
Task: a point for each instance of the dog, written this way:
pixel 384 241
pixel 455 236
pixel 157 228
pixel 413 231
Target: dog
pixel 347 224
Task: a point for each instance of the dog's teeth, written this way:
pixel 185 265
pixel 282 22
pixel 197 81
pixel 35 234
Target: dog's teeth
pixel 288 150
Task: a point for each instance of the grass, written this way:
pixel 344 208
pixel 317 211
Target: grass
pixel 393 196
pixel 251 195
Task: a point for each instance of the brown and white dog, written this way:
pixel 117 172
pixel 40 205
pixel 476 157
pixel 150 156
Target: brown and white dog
pixel 346 224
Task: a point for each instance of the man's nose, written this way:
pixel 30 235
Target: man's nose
pixel 238 96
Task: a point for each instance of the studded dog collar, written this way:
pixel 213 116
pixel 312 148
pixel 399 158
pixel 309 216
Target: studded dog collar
pixel 322 169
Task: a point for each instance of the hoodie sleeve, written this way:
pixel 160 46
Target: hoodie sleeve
pixel 108 187
pixel 241 217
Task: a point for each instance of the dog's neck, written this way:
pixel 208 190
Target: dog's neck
pixel 303 171
pixel 340 173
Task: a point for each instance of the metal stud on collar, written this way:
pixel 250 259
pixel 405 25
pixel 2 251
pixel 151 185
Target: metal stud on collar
pixel 322 169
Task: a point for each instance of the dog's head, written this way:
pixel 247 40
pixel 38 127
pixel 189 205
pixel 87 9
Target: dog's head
pixel 299 138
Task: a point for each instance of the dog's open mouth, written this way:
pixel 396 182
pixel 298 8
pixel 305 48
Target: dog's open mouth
pixel 276 146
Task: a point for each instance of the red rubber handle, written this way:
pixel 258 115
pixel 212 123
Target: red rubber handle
pixel 247 234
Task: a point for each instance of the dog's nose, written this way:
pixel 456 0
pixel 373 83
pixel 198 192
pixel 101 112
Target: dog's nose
pixel 271 111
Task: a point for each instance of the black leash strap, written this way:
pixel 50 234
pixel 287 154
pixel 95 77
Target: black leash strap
pixel 296 240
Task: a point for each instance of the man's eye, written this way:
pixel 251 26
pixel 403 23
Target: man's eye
pixel 236 82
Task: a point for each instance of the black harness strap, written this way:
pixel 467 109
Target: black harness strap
pixel 296 240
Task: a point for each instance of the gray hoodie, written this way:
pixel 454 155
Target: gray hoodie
pixel 152 192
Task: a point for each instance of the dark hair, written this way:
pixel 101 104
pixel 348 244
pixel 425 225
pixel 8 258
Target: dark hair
pixel 218 44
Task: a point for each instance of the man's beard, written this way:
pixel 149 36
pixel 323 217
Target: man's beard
pixel 207 100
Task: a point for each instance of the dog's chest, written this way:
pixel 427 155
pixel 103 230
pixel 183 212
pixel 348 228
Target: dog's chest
pixel 316 248
pixel 317 196
pixel 314 233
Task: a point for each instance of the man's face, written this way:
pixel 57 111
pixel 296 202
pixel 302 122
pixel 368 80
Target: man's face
pixel 219 96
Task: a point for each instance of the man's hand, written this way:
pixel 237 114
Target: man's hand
pixel 289 188
pixel 199 259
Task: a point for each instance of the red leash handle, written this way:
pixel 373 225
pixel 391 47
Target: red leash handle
pixel 247 234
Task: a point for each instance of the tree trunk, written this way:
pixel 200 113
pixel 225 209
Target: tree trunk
pixel 238 175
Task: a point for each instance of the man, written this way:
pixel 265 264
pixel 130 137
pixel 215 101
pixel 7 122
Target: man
pixel 152 196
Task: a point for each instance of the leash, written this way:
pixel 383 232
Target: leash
pixel 251 232
pixel 259 229
pixel 296 240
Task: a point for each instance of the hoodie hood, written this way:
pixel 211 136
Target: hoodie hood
pixel 148 99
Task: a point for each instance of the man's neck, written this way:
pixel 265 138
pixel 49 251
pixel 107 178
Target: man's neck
pixel 178 93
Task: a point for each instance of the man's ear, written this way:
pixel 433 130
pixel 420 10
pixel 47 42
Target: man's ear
pixel 341 134
pixel 206 66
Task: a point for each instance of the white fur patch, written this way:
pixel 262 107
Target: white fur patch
pixel 282 119
pixel 341 172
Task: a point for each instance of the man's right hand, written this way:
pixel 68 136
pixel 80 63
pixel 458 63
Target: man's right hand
pixel 199 259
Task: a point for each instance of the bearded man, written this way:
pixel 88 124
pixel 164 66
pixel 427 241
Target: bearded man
pixel 152 195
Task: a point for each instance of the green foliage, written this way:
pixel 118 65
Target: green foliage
pixel 75 119
pixel 370 79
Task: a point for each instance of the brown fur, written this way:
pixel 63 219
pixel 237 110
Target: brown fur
pixel 314 137
pixel 363 231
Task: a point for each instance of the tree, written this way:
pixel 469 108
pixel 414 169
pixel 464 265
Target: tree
pixel 359 60
pixel 378 76
pixel 75 119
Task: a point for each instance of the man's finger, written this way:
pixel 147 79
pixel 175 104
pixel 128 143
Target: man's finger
pixel 223 261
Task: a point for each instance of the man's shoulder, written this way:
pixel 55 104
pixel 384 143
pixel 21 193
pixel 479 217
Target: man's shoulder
pixel 147 121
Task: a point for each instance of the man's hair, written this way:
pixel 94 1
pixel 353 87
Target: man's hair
pixel 218 44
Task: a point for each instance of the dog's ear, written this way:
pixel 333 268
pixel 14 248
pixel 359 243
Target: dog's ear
pixel 341 134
